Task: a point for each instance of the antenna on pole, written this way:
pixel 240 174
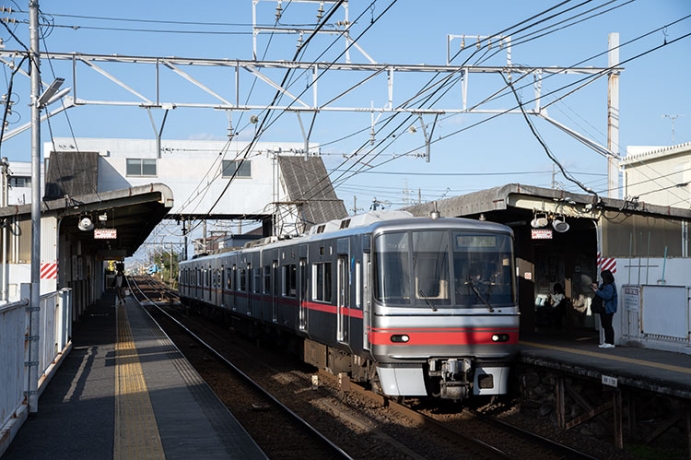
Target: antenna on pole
pixel 673 118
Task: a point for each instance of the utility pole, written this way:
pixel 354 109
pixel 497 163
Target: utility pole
pixel 35 296
pixel 355 208
pixel 5 165
pixel 613 118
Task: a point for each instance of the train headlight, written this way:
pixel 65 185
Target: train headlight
pixel 500 337
pixel 402 338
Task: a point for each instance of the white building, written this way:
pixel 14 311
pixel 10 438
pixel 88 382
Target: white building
pixel 269 182
pixel 19 183
pixel 658 175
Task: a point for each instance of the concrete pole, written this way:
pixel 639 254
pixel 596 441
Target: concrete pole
pixel 35 297
pixel 5 165
pixel 613 119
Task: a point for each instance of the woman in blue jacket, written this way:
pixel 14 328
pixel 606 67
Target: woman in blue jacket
pixel 607 291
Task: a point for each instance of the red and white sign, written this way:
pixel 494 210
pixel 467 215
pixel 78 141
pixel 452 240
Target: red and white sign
pixel 541 234
pixel 105 233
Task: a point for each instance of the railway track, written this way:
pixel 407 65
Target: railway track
pixel 370 426
pixel 279 431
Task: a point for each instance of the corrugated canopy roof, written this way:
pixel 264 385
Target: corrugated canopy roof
pixel 308 185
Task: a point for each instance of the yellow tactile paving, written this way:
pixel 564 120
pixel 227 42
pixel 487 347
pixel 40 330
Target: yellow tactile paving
pixel 136 431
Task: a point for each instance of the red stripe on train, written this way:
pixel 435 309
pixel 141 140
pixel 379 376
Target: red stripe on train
pixel 429 336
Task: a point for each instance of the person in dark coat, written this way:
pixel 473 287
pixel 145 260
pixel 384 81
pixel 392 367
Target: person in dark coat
pixel 607 291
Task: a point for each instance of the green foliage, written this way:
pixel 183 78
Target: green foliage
pixel 167 263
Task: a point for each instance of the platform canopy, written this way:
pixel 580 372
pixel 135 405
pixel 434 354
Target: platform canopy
pixel 120 220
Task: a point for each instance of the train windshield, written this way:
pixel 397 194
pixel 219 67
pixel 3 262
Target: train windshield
pixel 442 268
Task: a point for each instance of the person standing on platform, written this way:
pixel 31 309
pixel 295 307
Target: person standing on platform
pixel 558 303
pixel 607 291
pixel 120 287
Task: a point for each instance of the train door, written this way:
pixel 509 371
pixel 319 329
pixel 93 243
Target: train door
pixel 343 290
pixel 232 285
pixel 222 286
pixel 366 291
pixel 302 294
pixel 197 277
pixel 248 275
pixel 274 291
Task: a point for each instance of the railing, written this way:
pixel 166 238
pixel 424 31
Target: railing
pixel 54 342
pixel 56 328
pixel 13 327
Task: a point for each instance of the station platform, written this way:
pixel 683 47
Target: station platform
pixel 126 392
pixel 576 352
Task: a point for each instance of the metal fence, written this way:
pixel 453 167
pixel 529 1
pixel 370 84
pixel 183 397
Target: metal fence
pixel 54 342
pixel 13 328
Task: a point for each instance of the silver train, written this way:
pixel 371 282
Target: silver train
pixel 415 306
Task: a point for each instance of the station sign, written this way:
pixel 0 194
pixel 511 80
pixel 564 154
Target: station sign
pixel 541 234
pixel 105 234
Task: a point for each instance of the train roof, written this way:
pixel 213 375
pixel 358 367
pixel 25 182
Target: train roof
pixel 359 220
pixel 374 219
pixel 364 223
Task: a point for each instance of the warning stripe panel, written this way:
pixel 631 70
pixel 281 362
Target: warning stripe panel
pixel 606 263
pixel 49 271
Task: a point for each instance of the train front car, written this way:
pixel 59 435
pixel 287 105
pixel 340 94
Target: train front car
pixel 444 318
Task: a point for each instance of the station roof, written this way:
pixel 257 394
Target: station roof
pixel 132 212
pixel 511 198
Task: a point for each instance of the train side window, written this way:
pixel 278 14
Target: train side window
pixel 358 285
pixel 267 279
pixel 289 280
pixel 321 288
pixel 256 280
pixel 242 274
pixel 230 276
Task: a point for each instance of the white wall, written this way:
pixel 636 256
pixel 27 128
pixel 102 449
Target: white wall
pixel 192 170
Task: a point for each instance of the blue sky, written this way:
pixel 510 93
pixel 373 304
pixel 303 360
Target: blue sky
pixel 467 154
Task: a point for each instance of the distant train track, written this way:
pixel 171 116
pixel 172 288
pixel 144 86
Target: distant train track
pixel 458 434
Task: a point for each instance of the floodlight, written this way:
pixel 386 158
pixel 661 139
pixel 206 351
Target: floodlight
pixel 559 224
pixel 49 93
pixel 85 224
pixel 539 221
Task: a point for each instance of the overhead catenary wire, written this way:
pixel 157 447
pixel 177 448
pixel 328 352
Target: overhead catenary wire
pixel 263 120
pixel 447 78
pixel 363 171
